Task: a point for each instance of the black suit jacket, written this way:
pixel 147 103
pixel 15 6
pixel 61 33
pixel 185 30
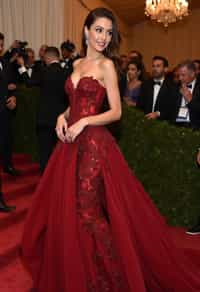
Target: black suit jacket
pixel 166 99
pixel 53 100
pixel 193 106
pixel 68 66
pixel 7 76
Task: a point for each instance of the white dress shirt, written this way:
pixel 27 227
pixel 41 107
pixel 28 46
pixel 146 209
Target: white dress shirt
pixel 156 90
pixel 183 114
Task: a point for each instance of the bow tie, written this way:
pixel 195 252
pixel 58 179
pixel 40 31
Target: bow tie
pixel 189 86
pixel 159 83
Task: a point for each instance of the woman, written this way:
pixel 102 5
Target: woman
pixel 92 228
pixel 134 82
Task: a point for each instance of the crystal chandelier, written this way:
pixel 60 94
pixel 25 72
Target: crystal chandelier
pixel 166 11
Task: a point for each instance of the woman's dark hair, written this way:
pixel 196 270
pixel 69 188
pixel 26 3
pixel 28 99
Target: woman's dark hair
pixel 139 55
pixel 140 67
pixel 113 47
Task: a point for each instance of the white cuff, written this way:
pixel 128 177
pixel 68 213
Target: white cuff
pixel 158 113
pixel 22 69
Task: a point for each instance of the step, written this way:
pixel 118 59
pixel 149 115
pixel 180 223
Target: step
pixel 10 242
pixel 21 158
pixel 15 278
pixel 20 188
pixel 25 170
pixel 22 205
pixel 15 180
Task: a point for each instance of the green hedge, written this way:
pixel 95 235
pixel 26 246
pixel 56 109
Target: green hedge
pixel 162 156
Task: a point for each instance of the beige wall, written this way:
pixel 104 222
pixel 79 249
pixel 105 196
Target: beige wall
pixel 178 42
pixel 75 13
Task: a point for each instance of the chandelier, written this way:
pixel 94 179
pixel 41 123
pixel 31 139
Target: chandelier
pixel 166 11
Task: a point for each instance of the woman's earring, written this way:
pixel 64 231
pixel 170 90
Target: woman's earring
pixel 86 41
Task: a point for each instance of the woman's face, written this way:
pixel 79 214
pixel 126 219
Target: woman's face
pixel 133 72
pixel 99 34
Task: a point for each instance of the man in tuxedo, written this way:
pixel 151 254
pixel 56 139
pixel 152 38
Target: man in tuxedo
pixel 53 101
pixel 7 105
pixel 67 50
pixel 188 102
pixel 30 61
pixel 159 94
pixel 40 63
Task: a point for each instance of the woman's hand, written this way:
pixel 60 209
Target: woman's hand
pixel 75 129
pixel 62 128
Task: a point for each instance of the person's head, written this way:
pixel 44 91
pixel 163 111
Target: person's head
pixel 51 54
pixel 67 49
pixel 123 62
pixel 187 72
pixel 1 43
pixel 197 66
pixel 135 54
pixel 42 51
pixel 134 69
pixel 100 32
pixel 175 75
pixel 159 67
pixel 30 56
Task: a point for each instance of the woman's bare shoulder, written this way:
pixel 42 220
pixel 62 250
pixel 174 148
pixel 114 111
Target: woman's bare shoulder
pixel 77 62
pixel 107 66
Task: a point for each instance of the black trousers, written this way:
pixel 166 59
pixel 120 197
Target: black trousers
pixel 6 137
pixel 47 140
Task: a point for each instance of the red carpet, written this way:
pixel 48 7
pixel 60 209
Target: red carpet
pixel 18 191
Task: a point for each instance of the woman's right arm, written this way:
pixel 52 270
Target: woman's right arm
pixel 62 126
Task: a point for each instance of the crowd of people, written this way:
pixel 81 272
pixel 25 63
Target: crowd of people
pixel 161 94
pixel 173 96
pixel 19 64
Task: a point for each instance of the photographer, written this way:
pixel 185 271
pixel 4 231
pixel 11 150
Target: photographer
pixel 7 105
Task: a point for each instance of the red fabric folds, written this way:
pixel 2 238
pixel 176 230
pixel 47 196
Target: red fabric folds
pixel 93 228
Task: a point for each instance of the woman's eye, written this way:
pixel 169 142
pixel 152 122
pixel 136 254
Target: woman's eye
pixel 110 33
pixel 98 29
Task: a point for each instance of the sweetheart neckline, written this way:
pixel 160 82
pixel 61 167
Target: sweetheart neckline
pixel 85 77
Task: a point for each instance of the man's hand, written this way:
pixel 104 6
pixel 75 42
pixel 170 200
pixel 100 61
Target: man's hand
pixel 11 103
pixel 12 86
pixel 152 116
pixel 186 93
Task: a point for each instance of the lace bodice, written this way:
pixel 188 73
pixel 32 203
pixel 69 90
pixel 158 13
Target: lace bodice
pixel 85 99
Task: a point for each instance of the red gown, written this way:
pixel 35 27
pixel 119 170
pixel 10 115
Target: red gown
pixel 92 227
